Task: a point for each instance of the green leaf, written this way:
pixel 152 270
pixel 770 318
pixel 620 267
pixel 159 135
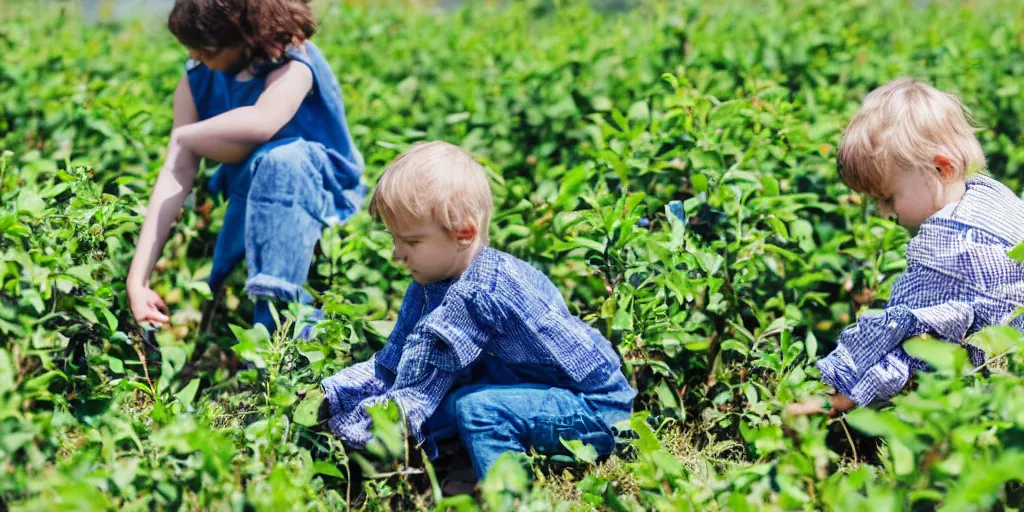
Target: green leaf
pixel 322 467
pixel 31 203
pixel 87 314
pixel 172 361
pixel 506 481
pixel 666 397
pixel 946 358
pixel 886 424
pixel 435 486
pixel 623 320
pixel 382 327
pixel 188 394
pixel 811 342
pixel 388 442
pixel 902 457
pixel 593 245
pixel 1017 253
pixel 307 412
pixel 6 372
pixel 583 452
pixel 110 318
pixel 639 111
pixel 250 343
pixel 997 339
pixel 802 231
pixel 202 287
pixel 633 200
pixel 647 442
pixel 699 182
pixel 116 365
pixel 736 346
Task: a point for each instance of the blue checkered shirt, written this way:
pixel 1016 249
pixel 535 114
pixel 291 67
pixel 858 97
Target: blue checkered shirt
pixel 958 280
pixel 501 311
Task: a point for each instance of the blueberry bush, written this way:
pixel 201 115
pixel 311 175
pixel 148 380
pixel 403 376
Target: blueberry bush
pixel 669 164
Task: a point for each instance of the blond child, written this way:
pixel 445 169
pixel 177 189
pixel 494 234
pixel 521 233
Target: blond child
pixel 484 348
pixel 913 149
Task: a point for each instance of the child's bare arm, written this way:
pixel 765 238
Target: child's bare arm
pixel 172 186
pixel 235 134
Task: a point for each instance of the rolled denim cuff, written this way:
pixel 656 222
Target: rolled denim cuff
pixel 270 287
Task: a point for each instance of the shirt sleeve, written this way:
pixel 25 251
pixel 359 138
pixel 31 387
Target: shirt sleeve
pixel 886 378
pixel 444 342
pixel 350 390
pixel 448 340
pixel 345 393
pixel 408 315
pixel 868 363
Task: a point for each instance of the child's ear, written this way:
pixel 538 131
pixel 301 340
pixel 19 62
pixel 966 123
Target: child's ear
pixel 945 168
pixel 465 235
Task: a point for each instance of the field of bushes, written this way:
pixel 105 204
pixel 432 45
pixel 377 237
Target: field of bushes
pixel 670 164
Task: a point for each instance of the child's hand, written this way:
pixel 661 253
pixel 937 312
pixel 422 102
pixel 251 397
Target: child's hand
pixel 812 405
pixel 830 405
pixel 147 306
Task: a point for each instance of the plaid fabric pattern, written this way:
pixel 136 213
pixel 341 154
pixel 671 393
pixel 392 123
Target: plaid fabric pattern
pixel 501 309
pixel 959 279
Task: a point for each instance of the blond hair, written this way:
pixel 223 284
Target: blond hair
pixel 904 125
pixel 434 180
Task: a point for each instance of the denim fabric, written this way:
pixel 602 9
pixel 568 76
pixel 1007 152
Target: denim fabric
pixel 502 315
pixel 491 419
pixel 307 176
pixel 274 218
pixel 320 118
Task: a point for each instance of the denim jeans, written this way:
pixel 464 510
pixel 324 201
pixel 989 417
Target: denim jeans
pixel 490 419
pixel 277 209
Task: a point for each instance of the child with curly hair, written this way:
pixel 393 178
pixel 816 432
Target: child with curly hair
pixel 260 98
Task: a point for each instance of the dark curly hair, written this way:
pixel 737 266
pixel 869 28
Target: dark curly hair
pixel 263 28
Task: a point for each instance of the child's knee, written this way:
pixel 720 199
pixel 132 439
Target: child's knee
pixel 479 409
pixel 283 171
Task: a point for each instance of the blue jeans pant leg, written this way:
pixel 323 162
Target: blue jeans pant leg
pixel 495 419
pixel 442 424
pixel 286 213
pixel 230 248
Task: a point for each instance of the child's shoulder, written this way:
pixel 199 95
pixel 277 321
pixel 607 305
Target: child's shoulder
pixel 989 213
pixel 968 242
pixel 492 265
pixel 500 274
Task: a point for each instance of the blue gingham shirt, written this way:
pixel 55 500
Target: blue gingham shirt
pixel 501 313
pixel 958 280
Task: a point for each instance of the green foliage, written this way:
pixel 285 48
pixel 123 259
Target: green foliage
pixel 671 168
